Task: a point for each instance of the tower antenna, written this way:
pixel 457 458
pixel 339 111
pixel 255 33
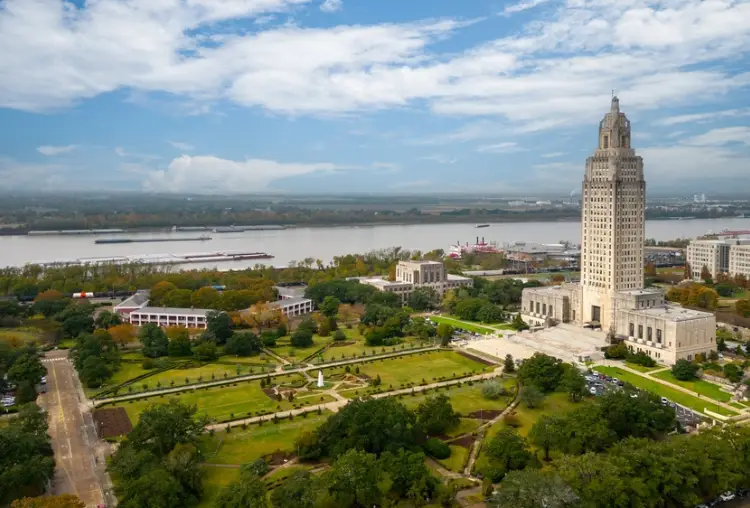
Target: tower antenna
pixel 614 92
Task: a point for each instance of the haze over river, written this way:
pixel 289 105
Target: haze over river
pixel 324 243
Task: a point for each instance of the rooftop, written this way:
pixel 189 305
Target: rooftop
pixel 423 262
pixel 642 291
pixel 291 291
pixel 288 302
pixel 672 313
pixel 450 276
pixel 139 299
pixel 171 310
pixel 384 283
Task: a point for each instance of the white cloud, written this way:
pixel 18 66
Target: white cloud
pixel 720 137
pixel 440 159
pixel 55 150
pixel 504 147
pixel 552 155
pixel 186 147
pixel 120 151
pixel 552 73
pixel 704 117
pixel 207 174
pixel 331 5
pixel 522 6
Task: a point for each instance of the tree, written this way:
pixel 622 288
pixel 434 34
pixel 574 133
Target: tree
pixel 617 351
pixel 742 307
pixel 27 368
pixel 436 415
pixel 63 501
pixel 468 308
pixel 542 371
pixel 533 489
pixel 243 344
pixel 445 333
pixel 107 319
pixel 205 351
pixel 641 416
pixel 324 329
pixel 298 491
pixel 493 389
pixel 184 464
pixel 687 272
pixel 258 467
pixel 518 324
pixel 546 433
pixel 95 371
pixel 329 307
pixel 684 370
pixel 220 325
pixel 509 450
pixel 161 427
pixel 122 334
pixel 509 365
pixel 76 324
pixel 531 396
pixel 490 313
pixel 705 274
pixel 179 298
pixel 154 340
pixel 410 477
pixel 155 488
pixel 339 336
pixel 423 299
pixel 353 479
pixel 573 383
pixel 733 372
pixel 649 270
pixel 205 298
pixel 302 338
pixel 179 344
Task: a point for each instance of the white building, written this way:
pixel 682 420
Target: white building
pixel 416 274
pixel 611 294
pixel 169 316
pixel 293 306
pixel 135 302
pixel 730 255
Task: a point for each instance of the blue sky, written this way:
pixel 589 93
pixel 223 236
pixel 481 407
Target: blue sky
pixel 246 96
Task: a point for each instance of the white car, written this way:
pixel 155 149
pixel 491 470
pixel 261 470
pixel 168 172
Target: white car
pixel 727 496
pixel 633 395
pixel 592 390
pixel 664 401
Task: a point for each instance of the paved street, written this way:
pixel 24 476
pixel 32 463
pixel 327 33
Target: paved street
pixel 79 456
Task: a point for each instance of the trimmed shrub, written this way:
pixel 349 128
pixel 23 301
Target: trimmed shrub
pixel 437 449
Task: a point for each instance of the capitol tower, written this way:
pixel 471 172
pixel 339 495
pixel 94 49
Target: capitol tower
pixel 613 214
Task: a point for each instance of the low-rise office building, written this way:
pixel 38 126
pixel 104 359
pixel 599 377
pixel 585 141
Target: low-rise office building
pixel 293 306
pixel 729 255
pixel 417 274
pixel 169 316
pixel 135 302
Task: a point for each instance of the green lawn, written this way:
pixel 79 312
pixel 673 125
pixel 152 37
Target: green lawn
pixel 193 373
pixel 359 348
pixel 672 394
pixel 641 368
pixel 398 371
pixel 466 399
pixel 215 479
pixel 285 349
pixel 127 371
pixel 220 403
pixel 242 446
pixel 457 461
pixel 19 336
pixel 466 325
pixel 710 390
pixel 465 426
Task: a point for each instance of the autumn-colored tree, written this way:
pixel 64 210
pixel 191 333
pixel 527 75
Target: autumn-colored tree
pixel 261 316
pixel 687 272
pixel 205 298
pixel 63 501
pixel 650 270
pixel 741 280
pixel 122 334
pixel 557 279
pixel 159 291
pixel 175 331
pixel 705 274
pixel 722 278
pixel 346 313
pixel 50 294
pixel 742 307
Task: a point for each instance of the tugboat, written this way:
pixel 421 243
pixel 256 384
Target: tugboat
pixel 482 226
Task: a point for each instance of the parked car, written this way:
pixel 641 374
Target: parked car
pixel 727 496
pixel 592 390
pixel 664 401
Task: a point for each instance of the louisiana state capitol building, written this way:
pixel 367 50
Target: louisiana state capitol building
pixel 610 294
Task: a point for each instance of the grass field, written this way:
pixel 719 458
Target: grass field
pixel 285 349
pixel 672 394
pixel 466 399
pixel 395 372
pixel 457 461
pixel 19 336
pixel 215 479
pixel 466 325
pixel 242 446
pixel 641 368
pixel 220 403
pixel 710 390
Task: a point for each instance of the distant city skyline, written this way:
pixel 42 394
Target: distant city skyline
pixel 353 96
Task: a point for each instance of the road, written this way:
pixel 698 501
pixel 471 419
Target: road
pixel 79 455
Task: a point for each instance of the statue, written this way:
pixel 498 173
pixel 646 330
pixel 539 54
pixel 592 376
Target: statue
pixel 321 384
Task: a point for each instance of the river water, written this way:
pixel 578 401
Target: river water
pixel 324 243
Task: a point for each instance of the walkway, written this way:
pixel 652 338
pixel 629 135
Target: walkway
pixel 709 401
pixel 480 435
pixel 341 401
pixel 250 377
pixel 80 457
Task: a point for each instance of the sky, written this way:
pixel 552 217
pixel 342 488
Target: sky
pixel 380 96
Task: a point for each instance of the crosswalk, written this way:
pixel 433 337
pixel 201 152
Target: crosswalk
pixel 50 360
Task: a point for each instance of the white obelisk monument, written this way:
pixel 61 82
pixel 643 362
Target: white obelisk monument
pixel 321 384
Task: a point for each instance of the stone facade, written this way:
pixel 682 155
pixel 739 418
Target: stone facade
pixel 713 254
pixel 739 260
pixel 611 294
pixel 415 274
